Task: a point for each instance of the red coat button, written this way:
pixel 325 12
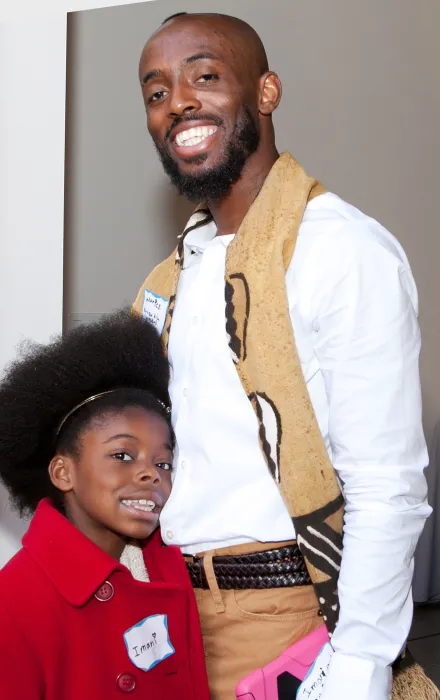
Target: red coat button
pixel 126 682
pixel 106 592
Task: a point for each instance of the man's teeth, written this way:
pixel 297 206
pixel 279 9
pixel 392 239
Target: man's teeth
pixel 141 504
pixel 193 136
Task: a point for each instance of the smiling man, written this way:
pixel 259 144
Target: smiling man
pixel 290 321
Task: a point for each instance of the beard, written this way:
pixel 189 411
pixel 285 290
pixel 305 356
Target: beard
pixel 216 183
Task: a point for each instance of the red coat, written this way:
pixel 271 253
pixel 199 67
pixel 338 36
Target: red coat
pixel 65 606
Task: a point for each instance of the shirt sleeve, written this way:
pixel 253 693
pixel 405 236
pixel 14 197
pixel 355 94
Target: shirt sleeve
pixel 367 342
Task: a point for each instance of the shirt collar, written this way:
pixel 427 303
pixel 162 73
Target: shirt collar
pixel 198 239
pixel 75 565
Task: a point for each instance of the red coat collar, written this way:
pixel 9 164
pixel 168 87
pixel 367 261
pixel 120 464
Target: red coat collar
pixel 74 564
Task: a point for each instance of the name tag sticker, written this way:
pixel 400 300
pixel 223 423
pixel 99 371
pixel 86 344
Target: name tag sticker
pixel 312 686
pixel 148 643
pixel 154 309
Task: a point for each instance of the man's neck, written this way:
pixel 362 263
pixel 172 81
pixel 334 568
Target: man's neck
pixel 229 212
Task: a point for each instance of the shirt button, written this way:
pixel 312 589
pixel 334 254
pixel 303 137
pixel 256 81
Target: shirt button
pixel 126 682
pixel 195 320
pixel 183 463
pixel 185 392
pixel 169 534
pixel 106 592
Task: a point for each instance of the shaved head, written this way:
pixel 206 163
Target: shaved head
pixel 240 32
pixel 209 97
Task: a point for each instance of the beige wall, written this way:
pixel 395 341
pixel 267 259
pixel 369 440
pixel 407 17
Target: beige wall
pixel 31 200
pixel 361 110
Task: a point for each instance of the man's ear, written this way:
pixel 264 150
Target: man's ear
pixel 61 473
pixel 270 93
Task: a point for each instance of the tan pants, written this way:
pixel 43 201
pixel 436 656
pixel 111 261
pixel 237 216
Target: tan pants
pixel 245 630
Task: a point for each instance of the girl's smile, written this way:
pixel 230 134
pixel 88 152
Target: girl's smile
pixel 117 485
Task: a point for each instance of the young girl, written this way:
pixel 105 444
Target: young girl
pixel 94 606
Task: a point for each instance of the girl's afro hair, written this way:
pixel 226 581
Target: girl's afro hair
pixel 122 351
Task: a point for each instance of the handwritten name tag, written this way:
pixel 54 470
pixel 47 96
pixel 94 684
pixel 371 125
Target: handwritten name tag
pixel 312 686
pixel 154 309
pixel 148 643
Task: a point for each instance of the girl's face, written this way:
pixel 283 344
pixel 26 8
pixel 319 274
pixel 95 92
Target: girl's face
pixel 118 486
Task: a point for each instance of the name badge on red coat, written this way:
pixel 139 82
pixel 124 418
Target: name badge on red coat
pixel 148 643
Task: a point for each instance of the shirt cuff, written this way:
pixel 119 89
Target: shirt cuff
pixel 352 677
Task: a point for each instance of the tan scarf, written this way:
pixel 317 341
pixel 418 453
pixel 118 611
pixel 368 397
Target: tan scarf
pixel 133 558
pixel 262 345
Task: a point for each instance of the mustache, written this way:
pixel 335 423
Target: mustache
pixel 193 118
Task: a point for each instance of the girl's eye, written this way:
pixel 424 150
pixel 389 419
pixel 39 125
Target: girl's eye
pixel 122 456
pixel 166 466
pixel 207 78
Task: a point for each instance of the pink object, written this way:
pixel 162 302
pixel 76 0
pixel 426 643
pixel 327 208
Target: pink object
pixel 280 679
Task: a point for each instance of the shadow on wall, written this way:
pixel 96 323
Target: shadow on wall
pixel 115 187
pixel 175 210
pixel 11 529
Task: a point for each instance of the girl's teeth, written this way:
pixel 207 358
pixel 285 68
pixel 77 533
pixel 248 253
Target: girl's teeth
pixel 147 509
pixel 141 504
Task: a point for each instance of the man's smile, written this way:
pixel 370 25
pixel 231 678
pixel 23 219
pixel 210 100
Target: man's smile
pixel 191 138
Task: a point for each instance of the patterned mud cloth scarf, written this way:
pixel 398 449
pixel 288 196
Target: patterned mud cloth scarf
pixel 260 336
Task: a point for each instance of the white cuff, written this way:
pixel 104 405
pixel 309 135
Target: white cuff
pixel 351 677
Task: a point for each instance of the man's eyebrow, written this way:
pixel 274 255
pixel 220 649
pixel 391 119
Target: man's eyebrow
pixel 186 61
pixel 149 75
pixel 200 56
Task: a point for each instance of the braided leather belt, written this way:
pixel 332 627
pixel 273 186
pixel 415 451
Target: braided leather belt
pixel 276 568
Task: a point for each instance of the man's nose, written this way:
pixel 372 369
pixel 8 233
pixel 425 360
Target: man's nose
pixel 183 100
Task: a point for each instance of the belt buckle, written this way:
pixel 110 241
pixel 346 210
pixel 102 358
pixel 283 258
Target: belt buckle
pixel 198 562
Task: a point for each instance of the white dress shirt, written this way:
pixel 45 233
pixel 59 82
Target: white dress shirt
pixel 353 306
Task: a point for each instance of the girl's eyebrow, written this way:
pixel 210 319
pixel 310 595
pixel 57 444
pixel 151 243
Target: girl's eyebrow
pixel 119 436
pixel 165 445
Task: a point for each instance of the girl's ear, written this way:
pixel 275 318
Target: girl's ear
pixel 61 473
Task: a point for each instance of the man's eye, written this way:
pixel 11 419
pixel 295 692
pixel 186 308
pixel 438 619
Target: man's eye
pixel 166 466
pixel 207 78
pixel 156 96
pixel 122 456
